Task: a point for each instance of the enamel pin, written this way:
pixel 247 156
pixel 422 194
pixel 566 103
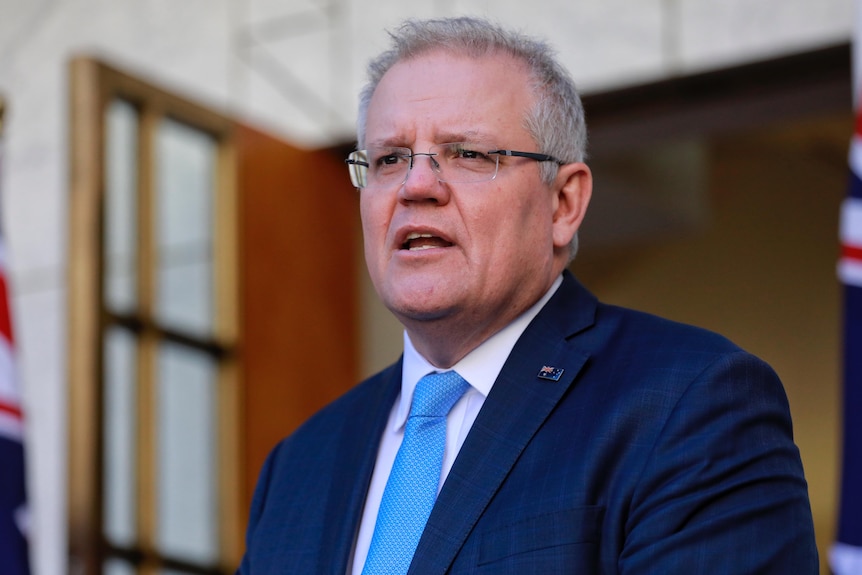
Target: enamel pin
pixel 551 373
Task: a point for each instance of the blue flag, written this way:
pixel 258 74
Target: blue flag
pixel 13 544
pixel 13 501
pixel 846 555
pixel 13 510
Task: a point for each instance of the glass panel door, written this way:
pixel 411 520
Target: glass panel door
pixel 187 455
pixel 121 209
pixel 164 362
pixel 186 169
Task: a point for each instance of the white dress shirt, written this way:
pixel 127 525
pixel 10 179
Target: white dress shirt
pixel 480 368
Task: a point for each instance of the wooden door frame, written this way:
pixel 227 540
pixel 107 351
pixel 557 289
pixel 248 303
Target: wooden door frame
pixel 93 86
pixel 288 224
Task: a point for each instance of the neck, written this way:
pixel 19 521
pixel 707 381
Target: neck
pixel 443 342
pixel 442 345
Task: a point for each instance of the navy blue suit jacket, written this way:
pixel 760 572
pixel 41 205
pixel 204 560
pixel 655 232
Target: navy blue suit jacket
pixel 663 449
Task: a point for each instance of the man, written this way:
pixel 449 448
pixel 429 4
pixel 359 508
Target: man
pixel 582 438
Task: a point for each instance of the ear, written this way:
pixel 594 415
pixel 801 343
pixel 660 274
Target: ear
pixel 573 188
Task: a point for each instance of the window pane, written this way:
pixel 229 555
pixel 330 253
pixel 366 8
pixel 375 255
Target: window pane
pixel 121 175
pixel 187 447
pixel 120 424
pixel 186 160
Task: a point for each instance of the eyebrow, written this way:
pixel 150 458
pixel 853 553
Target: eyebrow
pixel 475 136
pixel 466 136
pixel 386 143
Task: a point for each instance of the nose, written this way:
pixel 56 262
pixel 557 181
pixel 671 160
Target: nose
pixel 422 182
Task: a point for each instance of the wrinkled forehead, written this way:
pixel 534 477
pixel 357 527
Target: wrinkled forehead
pixel 444 94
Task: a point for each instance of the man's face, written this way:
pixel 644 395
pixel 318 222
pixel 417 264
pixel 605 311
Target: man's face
pixel 484 251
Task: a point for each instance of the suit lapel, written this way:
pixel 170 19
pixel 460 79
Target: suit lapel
pixel 518 404
pixel 357 454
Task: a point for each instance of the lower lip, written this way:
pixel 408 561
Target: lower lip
pixel 423 251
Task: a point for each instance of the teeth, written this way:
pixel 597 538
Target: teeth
pixel 416 236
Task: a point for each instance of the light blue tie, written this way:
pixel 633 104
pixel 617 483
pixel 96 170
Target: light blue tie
pixel 412 486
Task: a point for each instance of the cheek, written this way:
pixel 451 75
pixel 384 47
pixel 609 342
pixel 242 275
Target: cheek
pixel 372 239
pixel 528 228
pixel 374 221
pixel 521 215
pixel 501 234
pixel 365 211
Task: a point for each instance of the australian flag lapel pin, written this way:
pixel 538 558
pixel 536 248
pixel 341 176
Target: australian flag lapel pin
pixel 550 373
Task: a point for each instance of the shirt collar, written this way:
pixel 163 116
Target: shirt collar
pixel 480 367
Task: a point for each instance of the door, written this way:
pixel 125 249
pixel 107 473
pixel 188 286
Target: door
pixel 212 309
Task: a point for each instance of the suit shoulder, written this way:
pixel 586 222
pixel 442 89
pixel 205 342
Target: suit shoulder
pixel 657 333
pixel 630 339
pixel 354 403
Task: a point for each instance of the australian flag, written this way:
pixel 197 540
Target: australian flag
pixel 13 502
pixel 846 554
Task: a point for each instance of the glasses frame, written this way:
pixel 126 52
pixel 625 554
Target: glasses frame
pixel 359 179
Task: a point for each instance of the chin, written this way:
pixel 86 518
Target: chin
pixel 409 307
pixel 421 295
pixel 415 313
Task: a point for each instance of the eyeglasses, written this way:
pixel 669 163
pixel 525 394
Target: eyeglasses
pixel 455 163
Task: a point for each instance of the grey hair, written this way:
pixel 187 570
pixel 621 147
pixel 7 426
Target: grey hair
pixel 556 121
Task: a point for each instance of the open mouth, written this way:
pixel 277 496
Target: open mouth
pixel 416 242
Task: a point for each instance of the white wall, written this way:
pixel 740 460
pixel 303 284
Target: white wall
pixel 294 67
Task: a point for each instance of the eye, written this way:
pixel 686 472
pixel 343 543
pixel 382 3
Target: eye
pixel 389 157
pixel 467 152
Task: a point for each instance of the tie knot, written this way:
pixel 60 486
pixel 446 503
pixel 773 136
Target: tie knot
pixel 436 393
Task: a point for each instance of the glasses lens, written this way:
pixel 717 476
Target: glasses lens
pixel 464 162
pixel 387 165
pixel 357 165
pixel 457 162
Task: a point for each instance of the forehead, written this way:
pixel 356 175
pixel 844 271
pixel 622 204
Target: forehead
pixel 439 96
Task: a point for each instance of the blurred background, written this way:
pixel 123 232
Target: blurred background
pixel 183 256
